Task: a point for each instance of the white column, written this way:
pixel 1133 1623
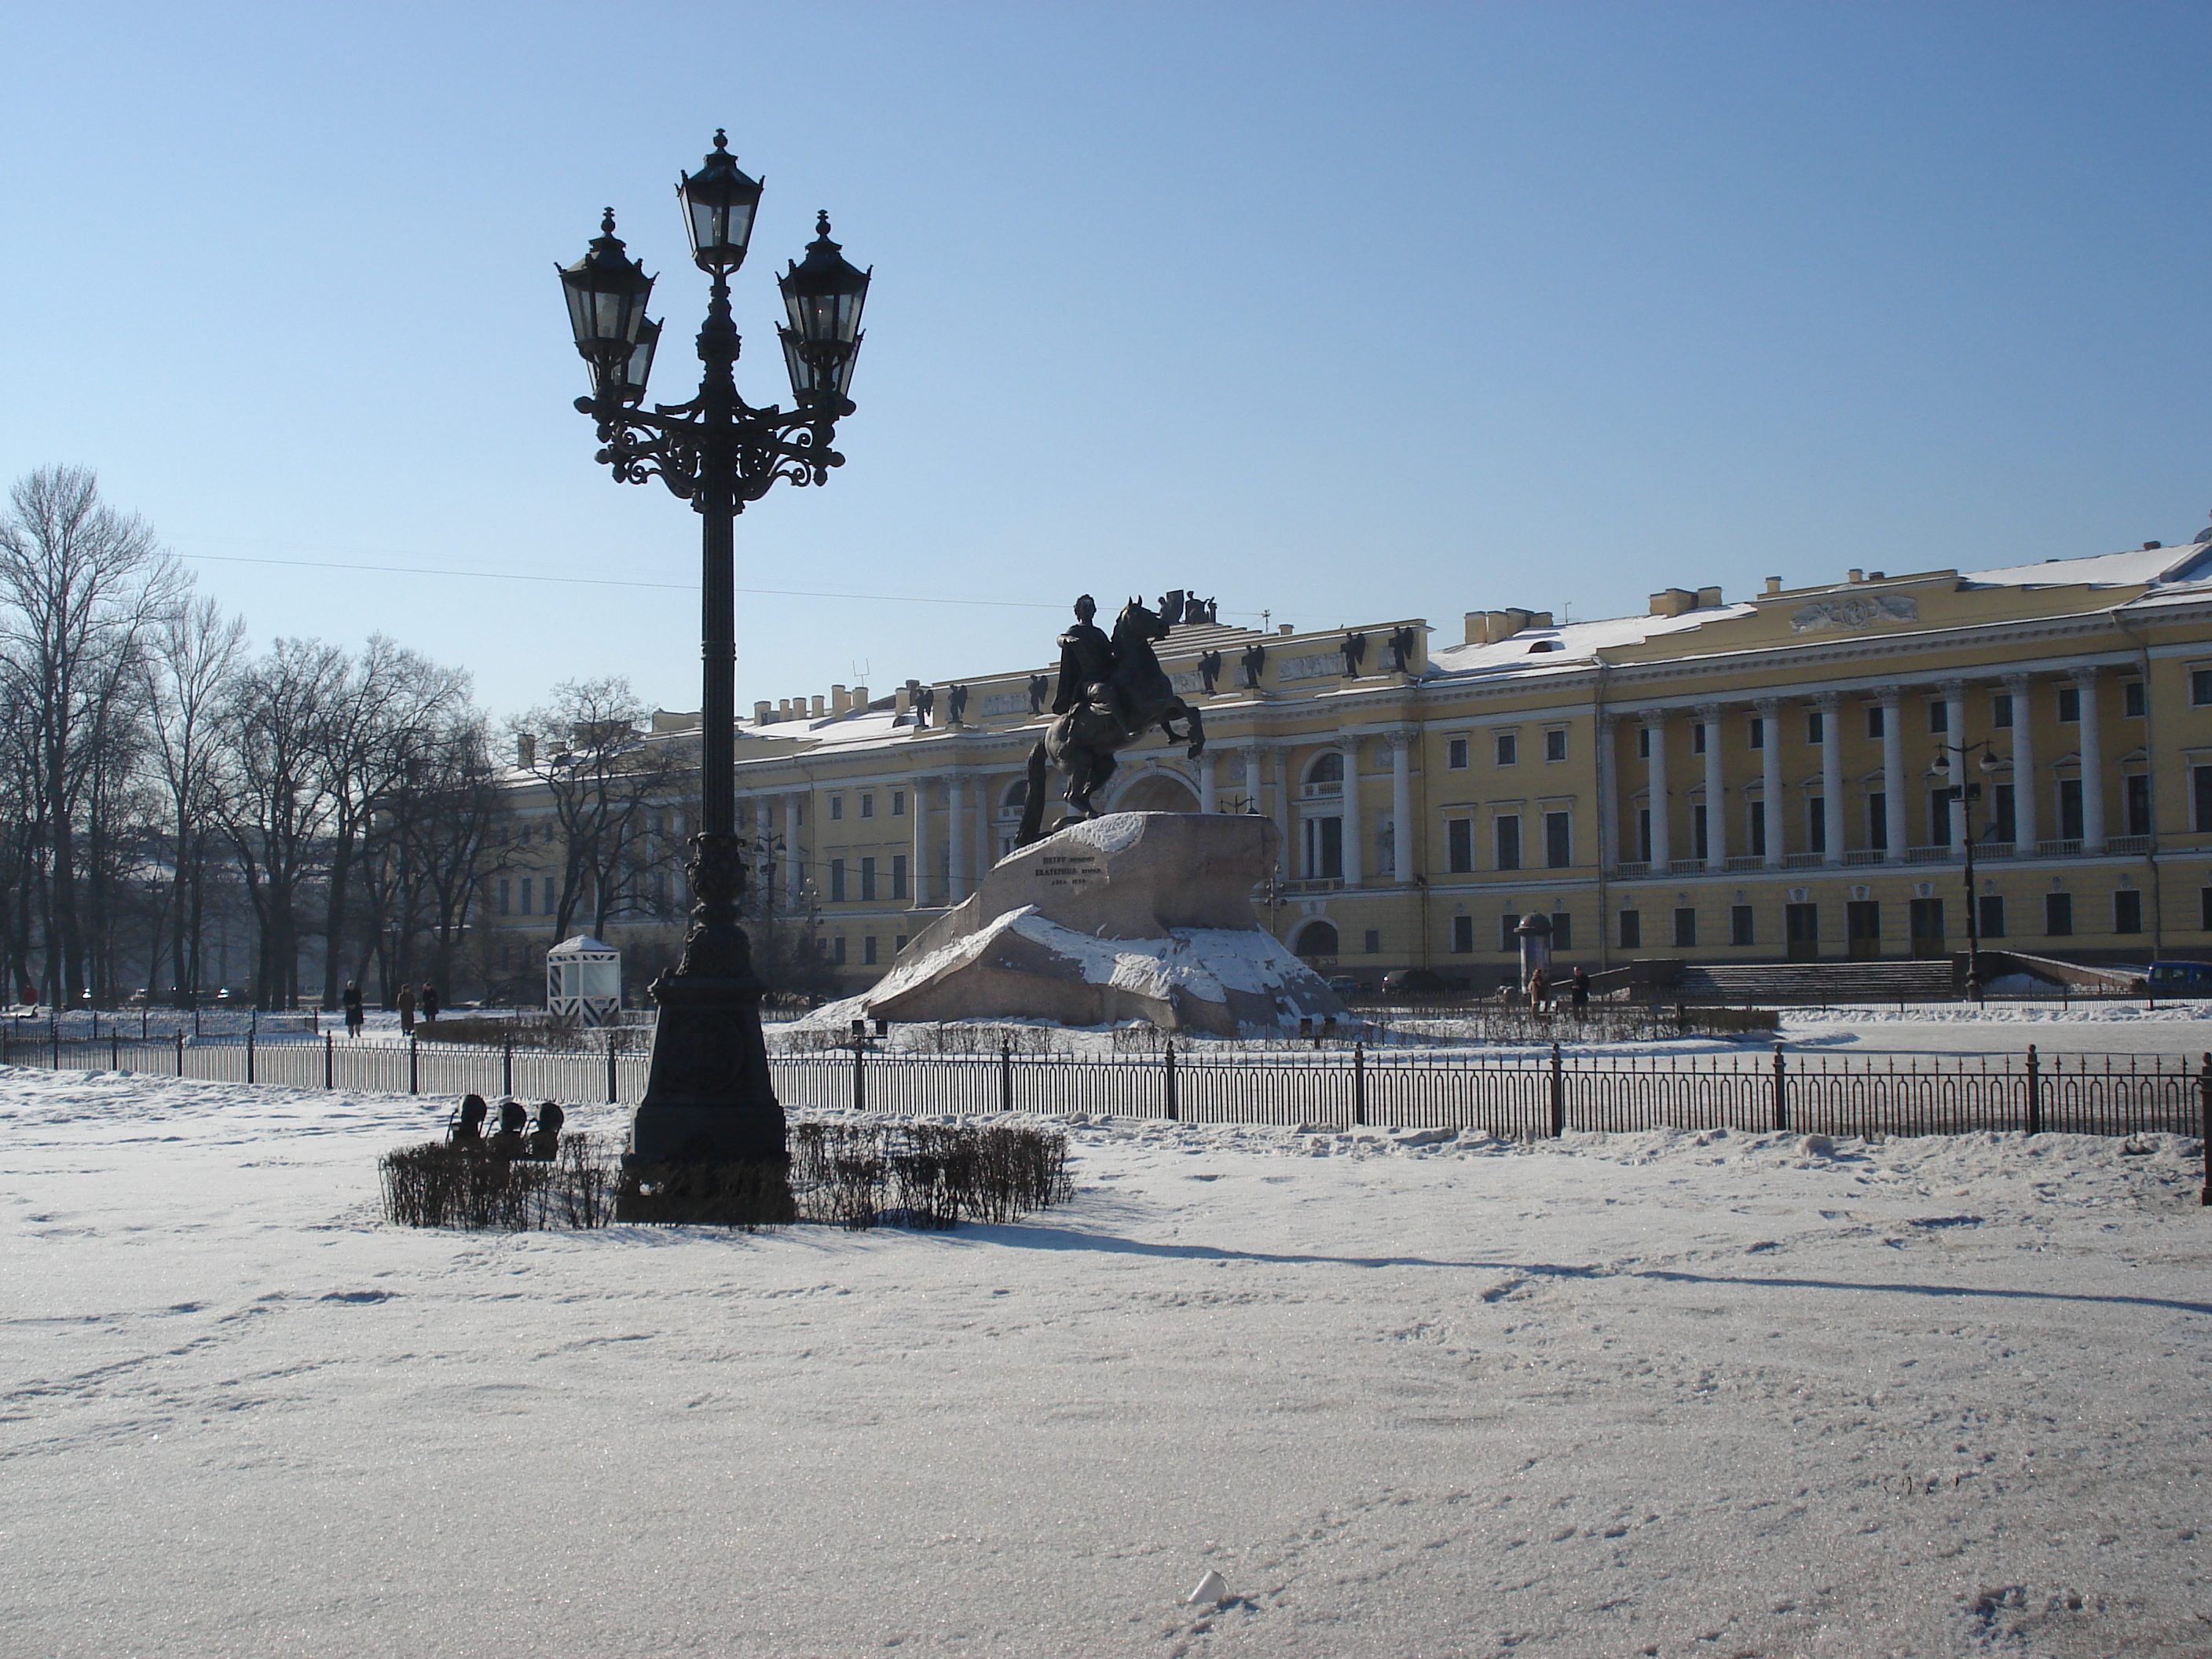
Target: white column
pixel 1286 814
pixel 1206 783
pixel 1830 704
pixel 1654 782
pixel 1402 842
pixel 1351 865
pixel 1953 693
pixel 918 875
pixel 794 867
pixel 1893 775
pixel 2092 764
pixel 1252 779
pixel 763 849
pixel 2024 782
pixel 956 838
pixel 1608 796
pixel 1709 713
pixel 1770 776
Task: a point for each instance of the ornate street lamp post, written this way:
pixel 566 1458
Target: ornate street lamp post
pixel 1966 794
pixel 708 1096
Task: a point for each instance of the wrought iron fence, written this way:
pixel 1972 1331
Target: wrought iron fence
pixel 1516 1095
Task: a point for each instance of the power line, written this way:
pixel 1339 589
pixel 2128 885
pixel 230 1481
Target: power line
pixel 612 581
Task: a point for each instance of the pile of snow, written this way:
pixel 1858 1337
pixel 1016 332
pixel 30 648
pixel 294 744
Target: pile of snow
pixel 1369 1392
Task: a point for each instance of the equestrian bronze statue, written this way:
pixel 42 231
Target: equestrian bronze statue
pixel 1111 693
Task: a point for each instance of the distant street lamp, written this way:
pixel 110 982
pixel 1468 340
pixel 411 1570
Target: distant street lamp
pixel 708 1094
pixel 1965 794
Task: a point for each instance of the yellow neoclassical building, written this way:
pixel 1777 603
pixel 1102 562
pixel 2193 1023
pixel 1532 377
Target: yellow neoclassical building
pixel 1767 779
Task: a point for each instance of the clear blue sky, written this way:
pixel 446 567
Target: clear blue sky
pixel 1344 312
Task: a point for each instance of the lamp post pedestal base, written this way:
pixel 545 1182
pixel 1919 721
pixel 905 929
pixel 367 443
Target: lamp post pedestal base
pixel 707 1097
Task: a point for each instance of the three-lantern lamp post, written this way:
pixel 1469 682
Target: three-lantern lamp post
pixel 708 1096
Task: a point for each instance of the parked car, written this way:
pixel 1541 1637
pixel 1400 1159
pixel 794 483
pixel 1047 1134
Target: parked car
pixel 1345 986
pixel 1414 982
pixel 2180 979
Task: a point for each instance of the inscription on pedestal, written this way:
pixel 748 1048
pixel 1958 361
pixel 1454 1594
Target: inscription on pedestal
pixel 1068 872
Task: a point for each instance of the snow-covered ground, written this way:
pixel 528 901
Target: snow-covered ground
pixel 1660 1394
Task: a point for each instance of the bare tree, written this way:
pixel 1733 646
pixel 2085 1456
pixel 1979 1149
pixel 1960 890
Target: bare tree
pixel 82 589
pixel 605 784
pixel 273 806
pixel 187 672
pixel 379 731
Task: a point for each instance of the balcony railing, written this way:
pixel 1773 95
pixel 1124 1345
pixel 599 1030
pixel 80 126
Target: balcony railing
pixel 1630 871
pixel 1687 867
pixel 2125 844
pixel 2071 848
pixel 1866 855
pixel 1747 861
pixel 1803 860
pixel 1931 854
pixel 1316 884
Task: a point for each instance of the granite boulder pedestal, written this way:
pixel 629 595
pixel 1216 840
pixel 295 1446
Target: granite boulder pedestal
pixel 1134 916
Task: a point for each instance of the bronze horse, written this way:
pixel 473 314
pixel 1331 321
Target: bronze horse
pixel 1081 743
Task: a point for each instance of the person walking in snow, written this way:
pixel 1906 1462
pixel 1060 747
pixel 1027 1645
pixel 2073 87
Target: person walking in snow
pixel 353 1013
pixel 1579 980
pixel 406 1001
pixel 429 1003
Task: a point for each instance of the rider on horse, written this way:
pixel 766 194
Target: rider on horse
pixel 1086 666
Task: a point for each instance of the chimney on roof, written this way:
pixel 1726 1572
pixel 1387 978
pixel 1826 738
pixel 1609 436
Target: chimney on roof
pixel 525 752
pixel 1708 598
pixel 859 703
pixel 840 701
pixel 820 713
pixel 1773 586
pixel 762 713
pixel 1856 576
pixel 783 709
pixel 1673 602
pixel 901 701
pixel 1496 627
pixel 2150 546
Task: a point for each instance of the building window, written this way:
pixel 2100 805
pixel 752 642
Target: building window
pixel 837 951
pixel 1989 915
pixel 1375 941
pixel 1740 931
pixel 2200 686
pixel 867 806
pixel 1555 743
pixel 1325 849
pixel 1877 821
pixel 2131 699
pixel 1875 713
pixel 2001 820
pixel 1563 932
pixel 868 881
pixel 1508 747
pixel 868 951
pixel 1924 923
pixel 898 944
pixel 1459 843
pixel 2001 710
pixel 1939 716
pixel 798 815
pixel 2069 704
pixel 836 881
pixel 898 875
pixel 1644 833
pixel 1939 817
pixel 898 803
pixel 2204 909
pixel 1801 932
pixel 1643 742
pixel 2136 786
pixel 1558 849
pixel 1755 811
pixel 2127 911
pixel 1462 935
pixel 1632 930
pixel 837 808
pixel 1509 842
pixel 2069 809
pixel 505 895
pixel 2057 914
pixel 552 899
pixel 1757 733
pixel 2200 778
pixel 1816 824
pixel 1456 754
pixel 1816 728
pixel 1509 937
pixel 1697 738
pixel 1698 829
pixel 1686 927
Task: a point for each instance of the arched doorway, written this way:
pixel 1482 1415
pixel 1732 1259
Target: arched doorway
pixel 1157 791
pixel 1315 938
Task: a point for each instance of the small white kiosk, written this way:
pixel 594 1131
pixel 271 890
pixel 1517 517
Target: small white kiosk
pixel 583 982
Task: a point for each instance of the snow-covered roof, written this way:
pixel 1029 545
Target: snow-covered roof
pixel 2128 569
pixel 1571 645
